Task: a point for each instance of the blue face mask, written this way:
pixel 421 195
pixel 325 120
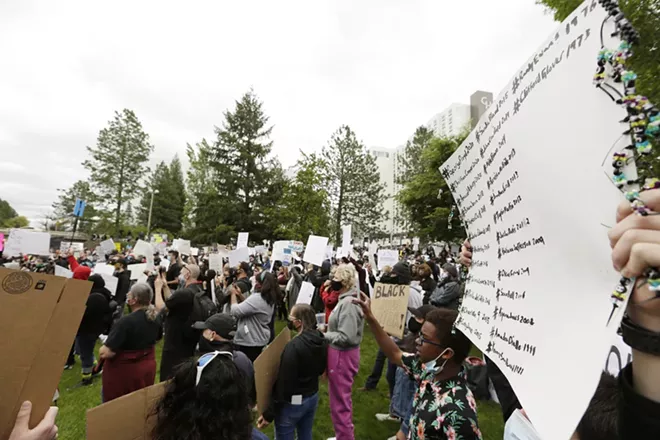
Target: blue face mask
pixel 434 369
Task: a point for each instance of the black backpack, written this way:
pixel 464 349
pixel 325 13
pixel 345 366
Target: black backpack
pixel 203 307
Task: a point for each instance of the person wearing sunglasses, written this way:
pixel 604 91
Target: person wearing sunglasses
pixel 443 407
pixel 206 399
pixel 295 393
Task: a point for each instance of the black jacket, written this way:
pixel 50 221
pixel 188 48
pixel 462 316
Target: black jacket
pixel 428 286
pixel 123 285
pixel 98 313
pixel 303 361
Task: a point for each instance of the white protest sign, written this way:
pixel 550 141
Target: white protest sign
pixel 262 250
pixel 251 251
pixel 194 251
pixel 137 272
pixel 104 268
pixel 242 240
pixel 146 250
pixel 238 256
pixel 387 257
pixel 513 181
pixel 62 272
pixel 107 246
pixel 346 231
pixel 183 246
pixel 26 242
pixel 215 262
pixel 315 250
pixel 306 293
pixel 297 246
pixel 278 251
pixel 110 282
pixel 165 263
pixel 390 306
pixel 373 249
pixel 75 246
pixel 328 252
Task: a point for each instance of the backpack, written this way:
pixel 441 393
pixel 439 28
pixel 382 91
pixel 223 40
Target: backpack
pixel 203 307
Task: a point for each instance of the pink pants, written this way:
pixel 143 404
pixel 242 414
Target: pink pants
pixel 342 369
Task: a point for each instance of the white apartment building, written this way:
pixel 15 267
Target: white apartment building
pixel 385 162
pixel 451 121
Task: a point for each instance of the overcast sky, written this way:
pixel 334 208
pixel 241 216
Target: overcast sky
pixel 382 66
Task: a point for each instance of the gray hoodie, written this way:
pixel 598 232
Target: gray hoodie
pixel 253 315
pixel 346 323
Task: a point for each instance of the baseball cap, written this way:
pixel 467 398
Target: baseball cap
pixel 421 312
pixel 221 323
pixel 402 272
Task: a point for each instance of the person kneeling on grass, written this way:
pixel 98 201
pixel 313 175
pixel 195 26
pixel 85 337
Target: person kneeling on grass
pixel 443 407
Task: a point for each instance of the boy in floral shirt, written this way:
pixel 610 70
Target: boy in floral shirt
pixel 443 406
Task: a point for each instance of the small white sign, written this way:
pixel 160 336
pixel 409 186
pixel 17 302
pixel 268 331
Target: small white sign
pixel 306 293
pixel 242 240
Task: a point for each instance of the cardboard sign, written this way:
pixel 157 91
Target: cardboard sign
pixel 390 307
pixel 238 256
pixel 266 367
pixel 506 179
pixel 315 250
pixel 26 242
pixel 39 317
pixel 306 293
pixel 126 418
pixel 242 240
pixel 387 257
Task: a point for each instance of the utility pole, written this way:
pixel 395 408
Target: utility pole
pixel 151 207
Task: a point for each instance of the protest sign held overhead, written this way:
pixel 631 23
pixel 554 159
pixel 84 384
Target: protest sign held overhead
pixel 306 293
pixel 242 240
pixel 387 257
pixel 315 250
pixel 515 307
pixel 237 256
pixel 390 307
pixel 25 242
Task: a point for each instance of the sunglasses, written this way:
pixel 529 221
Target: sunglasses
pixel 423 340
pixel 206 359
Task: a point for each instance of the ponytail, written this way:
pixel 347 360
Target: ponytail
pixel 151 312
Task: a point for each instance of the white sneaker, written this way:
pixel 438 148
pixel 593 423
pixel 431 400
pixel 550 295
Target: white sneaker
pixel 386 418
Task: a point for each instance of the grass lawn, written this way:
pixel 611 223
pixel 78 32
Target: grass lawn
pixel 74 402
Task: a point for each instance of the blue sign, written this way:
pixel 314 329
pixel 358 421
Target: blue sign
pixel 79 209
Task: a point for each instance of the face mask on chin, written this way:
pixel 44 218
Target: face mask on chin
pixel 433 368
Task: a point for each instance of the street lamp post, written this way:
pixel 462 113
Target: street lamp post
pixel 151 207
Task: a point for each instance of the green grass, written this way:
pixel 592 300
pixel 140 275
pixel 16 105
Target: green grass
pixel 74 402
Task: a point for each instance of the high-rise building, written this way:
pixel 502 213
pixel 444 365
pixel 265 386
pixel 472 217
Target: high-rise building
pixel 454 120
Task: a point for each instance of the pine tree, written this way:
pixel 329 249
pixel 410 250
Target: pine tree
pixel 6 211
pixel 305 193
pixel 410 165
pixel 66 201
pixel 118 162
pixel 247 180
pixel 166 183
pixel 353 183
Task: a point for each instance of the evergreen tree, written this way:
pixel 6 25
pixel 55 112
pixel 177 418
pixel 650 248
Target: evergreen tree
pixel 305 193
pixel 6 211
pixel 66 201
pixel 247 180
pixel 353 183
pixel 428 196
pixel 118 163
pixel 168 188
pixel 410 165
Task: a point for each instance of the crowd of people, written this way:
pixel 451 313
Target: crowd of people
pixel 215 324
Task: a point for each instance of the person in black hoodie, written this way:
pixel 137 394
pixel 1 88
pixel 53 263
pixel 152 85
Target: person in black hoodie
pixel 317 281
pixel 96 320
pixel 123 285
pixel 295 393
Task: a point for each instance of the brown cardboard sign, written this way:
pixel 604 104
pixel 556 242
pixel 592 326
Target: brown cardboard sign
pixel 266 367
pixel 39 318
pixel 390 307
pixel 130 417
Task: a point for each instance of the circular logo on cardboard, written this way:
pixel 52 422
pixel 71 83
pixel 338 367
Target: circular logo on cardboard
pixel 16 282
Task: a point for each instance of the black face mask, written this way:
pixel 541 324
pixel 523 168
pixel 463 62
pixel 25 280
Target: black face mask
pixel 414 326
pixel 335 285
pixel 388 279
pixel 290 325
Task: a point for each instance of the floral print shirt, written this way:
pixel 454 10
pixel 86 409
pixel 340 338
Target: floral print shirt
pixel 441 409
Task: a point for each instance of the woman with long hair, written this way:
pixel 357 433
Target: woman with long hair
pixel 295 394
pixel 206 399
pixel 254 316
pixel 129 354
pixel 345 328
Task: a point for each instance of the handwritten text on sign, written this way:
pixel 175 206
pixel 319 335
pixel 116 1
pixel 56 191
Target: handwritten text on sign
pixel 537 262
pixel 390 306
